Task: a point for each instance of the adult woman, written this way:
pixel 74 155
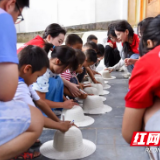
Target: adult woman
pixel 143 98
pixel 129 39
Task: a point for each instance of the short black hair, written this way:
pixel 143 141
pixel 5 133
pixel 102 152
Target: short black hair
pixel 100 50
pixel 23 3
pixel 91 45
pixel 34 56
pixel 91 37
pixel 73 39
pixel 66 55
pixel 91 55
pixel 111 30
pixel 54 30
pixel 80 56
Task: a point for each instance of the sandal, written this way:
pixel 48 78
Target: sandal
pixel 27 155
pixel 36 144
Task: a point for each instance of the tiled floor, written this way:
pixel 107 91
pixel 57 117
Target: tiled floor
pixel 106 131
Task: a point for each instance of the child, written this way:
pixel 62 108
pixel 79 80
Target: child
pixel 101 50
pixel 142 100
pixel 61 59
pixel 92 38
pixel 91 69
pixel 18 121
pixel 100 53
pixel 91 58
pixel 72 76
pixel 112 54
pixel 33 63
pixel 74 41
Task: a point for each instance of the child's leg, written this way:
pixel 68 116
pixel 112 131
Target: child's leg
pixel 22 142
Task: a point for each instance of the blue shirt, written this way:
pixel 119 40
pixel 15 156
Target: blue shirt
pixel 8 38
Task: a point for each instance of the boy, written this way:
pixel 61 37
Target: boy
pixel 74 41
pixel 92 38
pixel 33 63
pixel 91 58
pixel 91 69
pixel 18 121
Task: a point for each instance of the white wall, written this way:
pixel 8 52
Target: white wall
pixel 71 12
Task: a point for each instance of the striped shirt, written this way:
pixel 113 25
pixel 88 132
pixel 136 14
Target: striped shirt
pixel 68 75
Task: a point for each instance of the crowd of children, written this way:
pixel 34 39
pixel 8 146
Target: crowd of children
pixel 44 76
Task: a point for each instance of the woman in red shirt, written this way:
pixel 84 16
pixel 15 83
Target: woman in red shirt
pixel 53 34
pixel 143 98
pixel 129 39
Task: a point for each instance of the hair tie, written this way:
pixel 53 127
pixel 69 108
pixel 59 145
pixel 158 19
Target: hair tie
pixel 54 47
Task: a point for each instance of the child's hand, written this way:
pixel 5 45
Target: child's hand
pixel 65 126
pixel 68 104
pixel 73 88
pixel 83 96
pixel 94 72
pixel 98 73
pixel 72 124
pixel 90 94
pixel 96 82
pixel 87 85
pixel 109 69
pixel 100 58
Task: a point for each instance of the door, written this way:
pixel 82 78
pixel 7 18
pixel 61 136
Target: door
pixel 153 8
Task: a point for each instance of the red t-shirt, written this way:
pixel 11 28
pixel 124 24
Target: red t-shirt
pixel 114 43
pixel 37 41
pixel 144 84
pixel 135 44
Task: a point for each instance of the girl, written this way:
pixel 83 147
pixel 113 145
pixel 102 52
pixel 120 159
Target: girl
pixel 72 76
pixel 112 55
pixel 61 59
pixel 55 35
pixel 130 41
pixel 143 98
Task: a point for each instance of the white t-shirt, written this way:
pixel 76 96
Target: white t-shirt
pixel 42 84
pixel 93 67
pixel 26 94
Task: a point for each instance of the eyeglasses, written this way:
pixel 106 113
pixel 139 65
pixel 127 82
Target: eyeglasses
pixel 20 17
